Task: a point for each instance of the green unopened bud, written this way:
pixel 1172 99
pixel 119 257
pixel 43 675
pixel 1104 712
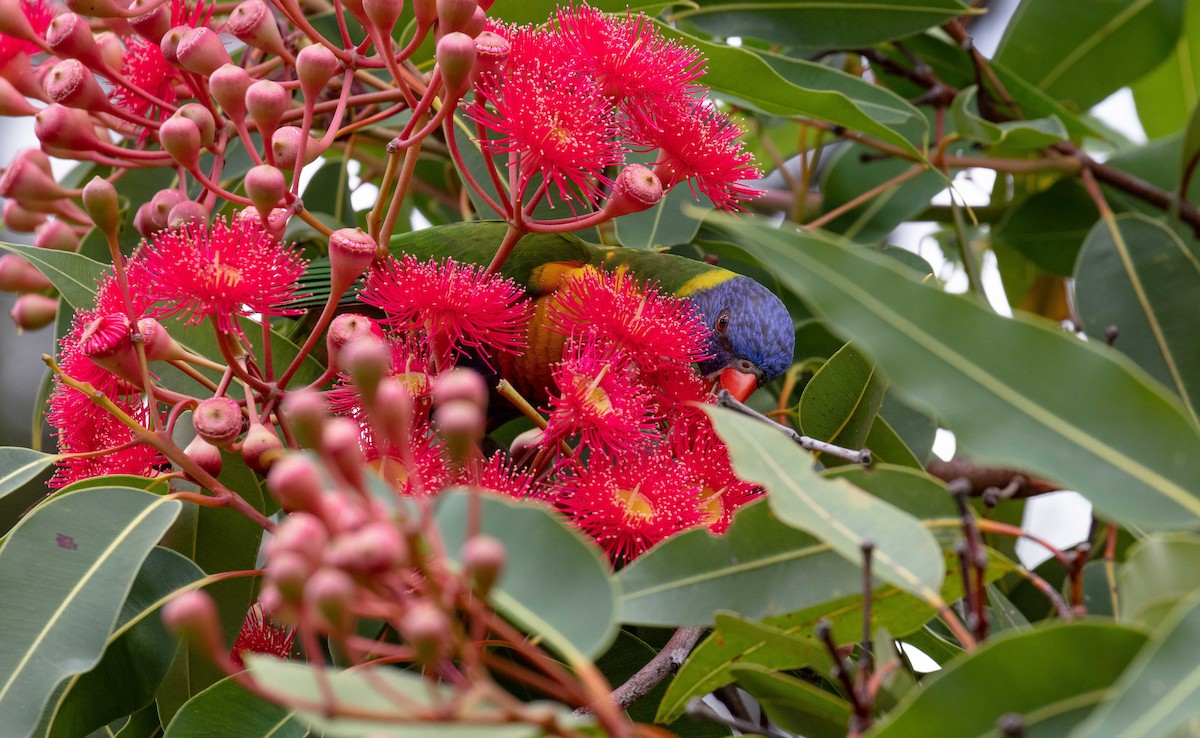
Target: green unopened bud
pixel 102 204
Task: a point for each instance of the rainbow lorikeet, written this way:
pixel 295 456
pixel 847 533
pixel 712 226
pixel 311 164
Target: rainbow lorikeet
pixel 752 339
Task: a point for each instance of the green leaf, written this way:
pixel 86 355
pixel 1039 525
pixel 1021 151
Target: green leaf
pixel 910 490
pixel 841 401
pixel 1037 674
pixel 1049 227
pixel 793 705
pixel 546 557
pixel 1166 96
pixel 845 517
pixel 816 24
pixel 374 690
pixel 136 656
pixel 227 708
pixel 1157 694
pixel 539 11
pixel 739 75
pixel 141 724
pixel 1138 275
pixel 94 541
pixel 855 171
pixel 671 222
pixel 1099 36
pixel 760 566
pixel 329 191
pixel 19 465
pixel 1004 386
pixel 888 447
pixel 1012 136
pixel 1158 571
pixel 73 275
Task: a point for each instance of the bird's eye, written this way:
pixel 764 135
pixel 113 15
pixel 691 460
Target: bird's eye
pixel 722 321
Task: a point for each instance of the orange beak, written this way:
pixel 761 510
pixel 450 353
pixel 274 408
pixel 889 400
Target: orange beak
pixel 739 384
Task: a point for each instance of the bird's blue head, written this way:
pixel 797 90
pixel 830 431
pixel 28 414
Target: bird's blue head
pixel 752 332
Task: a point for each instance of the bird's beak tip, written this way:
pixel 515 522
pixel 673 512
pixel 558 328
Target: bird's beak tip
pixel 739 384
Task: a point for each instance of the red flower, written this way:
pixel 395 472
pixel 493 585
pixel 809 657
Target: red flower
pixel 499 475
pixel 699 143
pixel 629 503
pixel 258 635
pixel 39 13
pixel 455 307
pixel 655 329
pixel 550 116
pixel 705 459
pixel 599 398
pixel 143 65
pixel 628 58
pixel 227 271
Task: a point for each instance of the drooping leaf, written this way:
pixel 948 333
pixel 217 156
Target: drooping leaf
pixel 1098 34
pixel 1075 663
pixel 545 558
pixel 94 541
pixel 795 705
pixel 227 708
pixel 841 401
pixel 810 24
pixel 905 554
pixel 73 275
pixel 1106 437
pixel 1167 96
pixel 1009 137
pixel 1157 694
pixel 1137 275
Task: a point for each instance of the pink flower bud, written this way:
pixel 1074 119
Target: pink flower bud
pixel 38 158
pixel 289 572
pixel 342 513
pixel 477 23
pixel 19 71
pixel 32 311
pixel 56 236
pixel 306 412
pixel 180 137
pixel 300 532
pixel 275 224
pixel 99 8
pixel 200 50
pixel 339 446
pixel 372 549
pixel 71 38
pixel 636 189
pixel 286 147
pixel 315 66
pixel 266 102
pixel 111 50
pixel 366 361
pixel 203 119
pixel 72 84
pixel 193 615
pixel 186 211
pixel 204 455
pixel 330 592
pixel 265 186
pixel 153 24
pixel 228 86
pixel 383 14
pixel 18 275
pixel 20 220
pixel 26 182
pixel 169 44
pixel 146 220
pixel 461 424
pixel 218 420
pixel 455 55
pixel 254 24
pixel 296 483
pixel 102 204
pixel 345 328
pixel 65 129
pixel 12 103
pixel 14 22
pixel 455 15
pixel 525 443
pixel 261 447
pixel 492 52
pixel 392 413
pixel 460 384
pixel 483 560
pixel 427 629
pixel 351 252
pixel 426 14
pixel 158 344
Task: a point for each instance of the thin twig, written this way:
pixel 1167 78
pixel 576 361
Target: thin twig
pixel 860 456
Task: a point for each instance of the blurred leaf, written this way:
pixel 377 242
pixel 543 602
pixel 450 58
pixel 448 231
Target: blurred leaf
pixel 760 566
pixel 1099 35
pixel 136 656
pixel 373 690
pixel 915 427
pixel 19 465
pixel 1158 571
pixel 1010 137
pixel 1137 275
pixel 538 11
pixel 227 708
pixel 888 447
pixel 671 222
pixel 739 75
pixel 856 170
pixel 141 724
pixel 1049 227
pixel 57 626
pixel 1105 437
pixel 73 275
pixel 793 705
pixel 905 554
pixel 1035 673
pixel 813 24
pixel 841 401
pixel 911 490
pixel 1166 96
pixel 546 558
pixel 1159 691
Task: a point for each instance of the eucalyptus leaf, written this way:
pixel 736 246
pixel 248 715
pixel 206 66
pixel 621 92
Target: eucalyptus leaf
pixel 1157 573
pixel 228 708
pixel 74 276
pixel 1167 96
pixel 20 465
pixel 795 705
